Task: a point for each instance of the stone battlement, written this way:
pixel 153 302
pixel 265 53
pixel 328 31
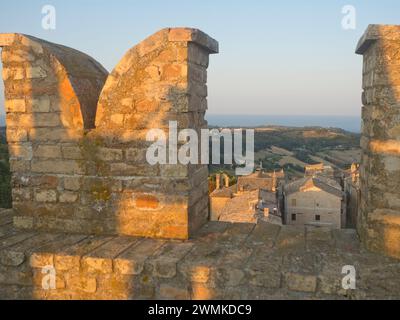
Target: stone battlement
pixel 81 184
pixel 77 135
pixel 223 261
pixel 379 213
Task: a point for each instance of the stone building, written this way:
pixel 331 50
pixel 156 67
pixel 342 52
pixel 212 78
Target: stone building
pixel 241 208
pixel 219 198
pixel 319 169
pixel 315 200
pixel 259 180
pixel 248 200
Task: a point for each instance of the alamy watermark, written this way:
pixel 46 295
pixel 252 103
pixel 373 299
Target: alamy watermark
pixel 49 17
pixel 349 20
pixel 49 278
pixel 349 280
pixel 195 150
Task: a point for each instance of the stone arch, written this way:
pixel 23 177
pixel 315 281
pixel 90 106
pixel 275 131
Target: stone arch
pixel 34 67
pixel 51 94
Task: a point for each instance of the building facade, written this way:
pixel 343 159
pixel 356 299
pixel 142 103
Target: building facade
pixel 315 201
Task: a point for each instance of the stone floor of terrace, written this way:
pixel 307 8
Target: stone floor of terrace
pixel 223 261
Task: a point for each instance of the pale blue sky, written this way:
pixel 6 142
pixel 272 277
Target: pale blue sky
pixel 276 57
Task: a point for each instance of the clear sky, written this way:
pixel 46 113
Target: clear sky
pixel 276 57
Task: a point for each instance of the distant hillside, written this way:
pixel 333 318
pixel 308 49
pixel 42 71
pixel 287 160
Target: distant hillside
pixel 349 123
pixel 292 148
pixel 312 139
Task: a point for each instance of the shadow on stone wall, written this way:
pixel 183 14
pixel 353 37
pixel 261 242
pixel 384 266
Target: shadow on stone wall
pixel 77 137
pixel 379 220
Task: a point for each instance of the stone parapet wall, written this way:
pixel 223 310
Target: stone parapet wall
pixel 379 215
pixel 224 261
pixel 77 136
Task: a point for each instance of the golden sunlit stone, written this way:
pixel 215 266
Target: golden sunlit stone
pixel 379 214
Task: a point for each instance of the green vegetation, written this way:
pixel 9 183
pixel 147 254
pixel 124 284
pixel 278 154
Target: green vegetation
pixel 292 148
pixel 308 139
pixel 5 176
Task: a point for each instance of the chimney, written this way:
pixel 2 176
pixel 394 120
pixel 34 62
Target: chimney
pixel 226 180
pixel 218 181
pixel 274 182
pixel 354 172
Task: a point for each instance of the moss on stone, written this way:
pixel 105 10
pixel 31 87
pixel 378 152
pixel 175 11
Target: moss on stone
pixel 90 148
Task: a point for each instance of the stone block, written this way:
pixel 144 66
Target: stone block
pixel 136 155
pixel 32 44
pixel 82 283
pixel 72 183
pixel 22 222
pixel 20 151
pixel 56 166
pixel 97 265
pixel 300 282
pixel 174 292
pixel 17 135
pixel 67 262
pixel 47 151
pixel 41 260
pixel 72 152
pixel 21 194
pixel 45 195
pixel 108 154
pixel 41 105
pixel 55 135
pixel 35 73
pixel 68 197
pixel 16 105
pixel 7 39
pixel 19 166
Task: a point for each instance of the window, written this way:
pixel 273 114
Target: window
pixel 293 217
pixel 317 217
pixel 294 202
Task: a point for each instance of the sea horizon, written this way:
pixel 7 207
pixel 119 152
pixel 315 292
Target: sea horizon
pixel 348 123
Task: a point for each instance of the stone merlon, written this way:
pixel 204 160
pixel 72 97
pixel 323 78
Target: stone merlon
pixel 195 36
pixel 375 32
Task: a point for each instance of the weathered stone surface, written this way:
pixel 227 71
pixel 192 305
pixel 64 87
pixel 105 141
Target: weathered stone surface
pixel 47 151
pixel 45 195
pixel 56 96
pixel 15 106
pixel 213 266
pixel 101 259
pixel 68 197
pixel 17 135
pixel 6 39
pixel 41 105
pixel 132 261
pixel 378 220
